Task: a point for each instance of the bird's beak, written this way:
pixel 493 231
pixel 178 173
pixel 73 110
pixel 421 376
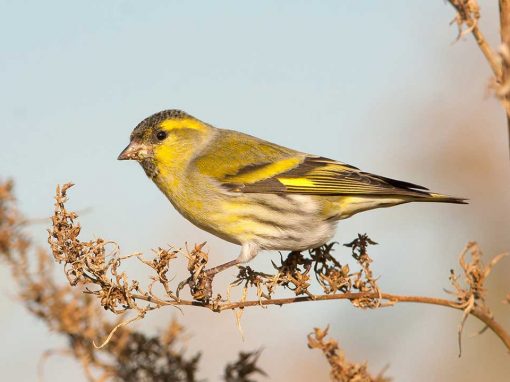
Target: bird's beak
pixel 134 151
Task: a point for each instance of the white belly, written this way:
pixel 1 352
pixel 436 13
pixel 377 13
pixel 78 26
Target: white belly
pixel 290 222
pixel 307 236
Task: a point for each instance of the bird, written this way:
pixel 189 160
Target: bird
pixel 254 193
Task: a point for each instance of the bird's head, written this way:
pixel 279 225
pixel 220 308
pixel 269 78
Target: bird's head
pixel 165 139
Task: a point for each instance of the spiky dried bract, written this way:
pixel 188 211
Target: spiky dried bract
pixel 199 281
pixel 466 19
pixel 332 276
pixel 293 273
pixel 96 264
pixel 341 369
pixel 244 369
pixel 470 289
pixel 468 13
pixel 247 277
pixel 91 264
pixel 77 316
pixel 160 264
pixel 364 280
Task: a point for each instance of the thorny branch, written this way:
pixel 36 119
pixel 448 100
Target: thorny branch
pixel 129 355
pixel 90 264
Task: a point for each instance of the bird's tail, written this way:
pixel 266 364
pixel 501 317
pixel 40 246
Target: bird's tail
pixel 347 206
pixel 438 198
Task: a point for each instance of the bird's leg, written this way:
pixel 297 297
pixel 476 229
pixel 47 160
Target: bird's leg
pixel 201 284
pixel 211 272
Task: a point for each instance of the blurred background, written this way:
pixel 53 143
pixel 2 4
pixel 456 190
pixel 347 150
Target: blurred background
pixel 379 85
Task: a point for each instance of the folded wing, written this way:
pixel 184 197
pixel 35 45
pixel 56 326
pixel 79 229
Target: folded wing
pixel 318 176
pixel 256 166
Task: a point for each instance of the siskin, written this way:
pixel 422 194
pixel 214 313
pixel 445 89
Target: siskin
pixel 255 193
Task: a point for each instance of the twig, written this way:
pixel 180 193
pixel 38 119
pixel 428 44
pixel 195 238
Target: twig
pixel 130 355
pixel 115 328
pixel 91 264
pixel 393 298
pixel 504 19
pixel 468 12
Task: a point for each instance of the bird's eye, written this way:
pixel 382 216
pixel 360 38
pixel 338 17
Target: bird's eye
pixel 161 135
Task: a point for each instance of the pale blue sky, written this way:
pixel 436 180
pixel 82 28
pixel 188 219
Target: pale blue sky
pixel 375 84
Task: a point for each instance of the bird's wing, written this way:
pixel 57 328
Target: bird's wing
pixel 321 176
pixel 244 159
pixel 251 165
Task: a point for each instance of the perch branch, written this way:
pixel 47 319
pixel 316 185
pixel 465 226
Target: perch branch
pixel 484 317
pixel 97 264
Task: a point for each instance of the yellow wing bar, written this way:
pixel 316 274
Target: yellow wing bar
pixel 319 176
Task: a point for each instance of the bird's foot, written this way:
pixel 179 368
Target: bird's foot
pixel 200 283
pixel 200 286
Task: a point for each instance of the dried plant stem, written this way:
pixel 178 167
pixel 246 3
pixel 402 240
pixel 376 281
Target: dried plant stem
pixel 98 263
pixel 486 49
pixel 115 328
pixel 392 298
pixel 468 13
pixel 504 19
pixel 74 314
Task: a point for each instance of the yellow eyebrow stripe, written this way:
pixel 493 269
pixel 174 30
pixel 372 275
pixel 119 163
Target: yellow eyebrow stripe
pixel 183 123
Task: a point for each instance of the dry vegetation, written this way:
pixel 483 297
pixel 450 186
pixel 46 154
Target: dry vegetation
pixel 466 19
pixel 97 266
pixel 129 355
pixel 341 370
pixel 110 350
